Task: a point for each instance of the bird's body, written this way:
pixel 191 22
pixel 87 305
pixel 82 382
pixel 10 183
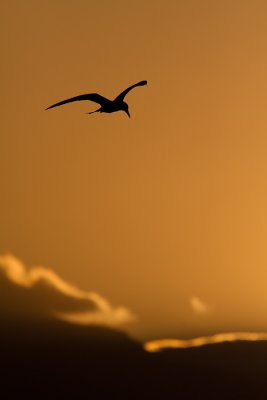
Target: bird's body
pixel 107 106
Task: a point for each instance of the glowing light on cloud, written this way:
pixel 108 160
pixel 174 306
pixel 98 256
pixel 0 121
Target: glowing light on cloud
pixel 198 305
pixel 158 345
pixel 104 313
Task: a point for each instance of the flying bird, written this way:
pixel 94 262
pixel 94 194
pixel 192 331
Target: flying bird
pixel 107 106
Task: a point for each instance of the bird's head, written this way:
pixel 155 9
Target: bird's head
pixel 125 108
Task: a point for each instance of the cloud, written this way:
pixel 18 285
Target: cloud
pixel 158 345
pixel 198 305
pixel 40 291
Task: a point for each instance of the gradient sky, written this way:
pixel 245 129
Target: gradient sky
pixel 165 213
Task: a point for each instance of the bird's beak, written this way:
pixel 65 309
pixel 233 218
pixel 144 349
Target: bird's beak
pixel 127 112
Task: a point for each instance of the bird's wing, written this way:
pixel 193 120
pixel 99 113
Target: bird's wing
pixel 121 96
pixel 97 98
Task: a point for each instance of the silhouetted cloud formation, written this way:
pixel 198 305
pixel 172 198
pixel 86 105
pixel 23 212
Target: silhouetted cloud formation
pixel 39 292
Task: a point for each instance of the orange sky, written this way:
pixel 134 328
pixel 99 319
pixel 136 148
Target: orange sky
pixel 159 210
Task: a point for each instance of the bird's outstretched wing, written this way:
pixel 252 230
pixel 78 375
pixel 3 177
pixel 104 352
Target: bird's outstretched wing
pixel 97 98
pixel 121 96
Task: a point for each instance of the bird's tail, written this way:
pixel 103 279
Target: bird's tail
pixel 92 112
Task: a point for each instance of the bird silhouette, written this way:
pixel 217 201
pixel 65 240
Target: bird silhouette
pixel 107 106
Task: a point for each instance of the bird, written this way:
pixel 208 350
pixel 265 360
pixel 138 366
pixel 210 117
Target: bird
pixel 107 106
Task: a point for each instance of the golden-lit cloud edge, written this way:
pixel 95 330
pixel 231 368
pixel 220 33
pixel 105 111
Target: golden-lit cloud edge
pixel 158 345
pixel 103 314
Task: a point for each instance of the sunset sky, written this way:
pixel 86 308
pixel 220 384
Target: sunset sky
pixel 163 214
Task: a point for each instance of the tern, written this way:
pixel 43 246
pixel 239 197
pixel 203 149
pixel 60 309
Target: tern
pixel 107 106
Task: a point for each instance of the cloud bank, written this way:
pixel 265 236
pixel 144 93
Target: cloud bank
pixel 39 290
